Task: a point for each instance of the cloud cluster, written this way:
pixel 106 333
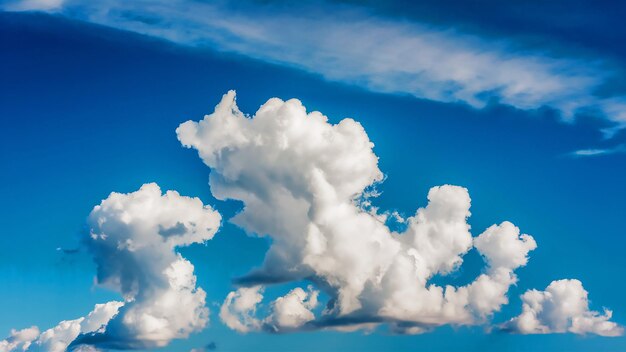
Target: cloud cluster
pixel 348 44
pixel 133 239
pixel 287 313
pixel 306 184
pixel 302 181
pixel 562 307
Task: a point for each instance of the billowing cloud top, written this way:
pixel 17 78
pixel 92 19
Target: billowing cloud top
pixel 132 239
pixel 303 182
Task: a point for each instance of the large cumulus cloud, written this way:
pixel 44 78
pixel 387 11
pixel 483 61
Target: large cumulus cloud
pixel 133 239
pixel 302 181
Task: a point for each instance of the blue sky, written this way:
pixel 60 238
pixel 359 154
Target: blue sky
pixel 90 104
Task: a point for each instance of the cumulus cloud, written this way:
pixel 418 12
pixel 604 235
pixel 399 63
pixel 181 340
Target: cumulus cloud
pixel 239 308
pixel 19 340
pixel 302 181
pixel 562 307
pixel 293 310
pixel 348 44
pixel 58 338
pixel 287 313
pixel 133 239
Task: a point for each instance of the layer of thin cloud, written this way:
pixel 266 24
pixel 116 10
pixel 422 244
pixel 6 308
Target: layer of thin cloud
pixel 133 239
pixel 620 148
pixel 562 307
pixel 348 44
pixel 302 181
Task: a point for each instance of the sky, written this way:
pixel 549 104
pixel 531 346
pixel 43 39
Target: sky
pixel 345 175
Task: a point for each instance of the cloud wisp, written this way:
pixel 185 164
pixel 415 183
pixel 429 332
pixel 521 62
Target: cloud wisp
pixel 620 148
pixel 304 182
pixel 133 239
pixel 351 45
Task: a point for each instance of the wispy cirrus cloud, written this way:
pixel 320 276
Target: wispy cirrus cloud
pixel 621 148
pixel 351 45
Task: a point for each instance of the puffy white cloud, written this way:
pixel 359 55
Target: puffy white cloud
pixel 286 313
pixel 239 308
pixel 562 307
pixel 302 181
pixel 133 239
pixel 58 338
pixel 504 247
pixel 293 310
pixel 19 340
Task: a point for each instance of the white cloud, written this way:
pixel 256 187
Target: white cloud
pixel 620 148
pixel 239 308
pixel 293 310
pixel 562 307
pixel 287 313
pixel 19 340
pixel 300 179
pixel 504 247
pixel 58 338
pixel 348 44
pixel 133 239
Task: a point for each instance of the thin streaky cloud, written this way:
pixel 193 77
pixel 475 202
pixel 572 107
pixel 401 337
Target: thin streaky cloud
pixel 621 148
pixel 349 44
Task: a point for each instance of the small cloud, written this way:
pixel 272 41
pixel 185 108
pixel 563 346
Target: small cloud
pixel 563 307
pixel 621 148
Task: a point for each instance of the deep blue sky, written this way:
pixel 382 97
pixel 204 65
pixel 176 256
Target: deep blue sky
pixel 86 110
